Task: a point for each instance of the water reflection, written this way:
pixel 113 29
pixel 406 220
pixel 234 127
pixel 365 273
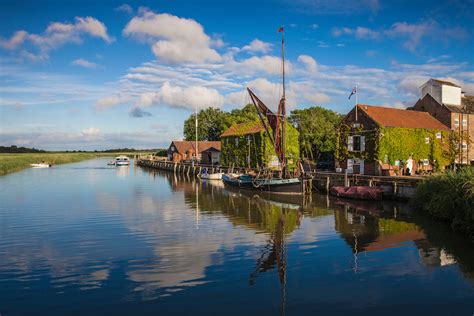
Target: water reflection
pixel 145 235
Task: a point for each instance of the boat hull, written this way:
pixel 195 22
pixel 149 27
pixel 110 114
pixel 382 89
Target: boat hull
pixel 358 192
pixel 281 186
pixel 243 182
pixel 122 163
pixel 40 165
pixel 212 176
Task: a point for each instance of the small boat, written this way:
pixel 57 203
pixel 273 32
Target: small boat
pixel 358 192
pixel 40 165
pixel 122 161
pixel 111 163
pixel 243 181
pixel 280 185
pixel 210 176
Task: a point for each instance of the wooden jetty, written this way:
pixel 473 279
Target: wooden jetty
pixel 401 188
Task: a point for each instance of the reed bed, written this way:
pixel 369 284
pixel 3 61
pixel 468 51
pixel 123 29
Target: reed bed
pixel 16 162
pixel 449 197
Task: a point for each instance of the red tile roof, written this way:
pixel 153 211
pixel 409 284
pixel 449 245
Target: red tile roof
pixel 390 117
pixel 182 146
pixel 244 129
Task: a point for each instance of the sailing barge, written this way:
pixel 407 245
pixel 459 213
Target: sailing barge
pixel 274 124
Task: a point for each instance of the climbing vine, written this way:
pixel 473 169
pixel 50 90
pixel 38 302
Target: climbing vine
pixel 235 148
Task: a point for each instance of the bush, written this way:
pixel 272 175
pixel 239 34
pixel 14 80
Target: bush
pixel 449 197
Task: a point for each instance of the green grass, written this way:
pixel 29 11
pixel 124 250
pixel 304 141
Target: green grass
pixel 449 197
pixel 16 162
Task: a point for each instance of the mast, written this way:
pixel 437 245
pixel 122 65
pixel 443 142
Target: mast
pixel 283 107
pixel 197 151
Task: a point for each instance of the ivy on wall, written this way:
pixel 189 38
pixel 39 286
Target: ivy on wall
pixel 237 148
pixel 396 143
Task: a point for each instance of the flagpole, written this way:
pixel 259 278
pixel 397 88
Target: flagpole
pixel 357 92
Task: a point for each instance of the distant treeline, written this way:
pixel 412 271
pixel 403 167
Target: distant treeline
pixel 15 150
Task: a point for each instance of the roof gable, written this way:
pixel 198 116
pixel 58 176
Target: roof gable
pixel 390 117
pixel 182 146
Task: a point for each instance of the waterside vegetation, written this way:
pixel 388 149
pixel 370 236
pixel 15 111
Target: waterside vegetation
pixel 449 197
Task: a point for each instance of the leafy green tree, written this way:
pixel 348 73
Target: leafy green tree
pixel 317 127
pixel 213 122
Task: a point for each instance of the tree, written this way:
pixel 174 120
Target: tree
pixel 317 127
pixel 213 122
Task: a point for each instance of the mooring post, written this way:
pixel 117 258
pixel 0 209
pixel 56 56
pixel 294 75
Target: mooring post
pixel 175 165
pixel 327 184
pixel 346 180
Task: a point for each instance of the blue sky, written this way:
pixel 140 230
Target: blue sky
pixel 107 74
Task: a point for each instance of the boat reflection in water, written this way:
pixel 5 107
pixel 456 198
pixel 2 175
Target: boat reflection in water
pixel 185 245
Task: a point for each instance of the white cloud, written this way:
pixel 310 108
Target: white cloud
pixel 125 8
pixel 182 97
pixel 309 63
pixel 56 35
pixel 173 39
pixel 257 64
pixel 110 101
pixel 85 63
pixel 91 132
pixel 258 46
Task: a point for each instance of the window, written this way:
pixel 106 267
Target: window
pixel 438 135
pixel 456 122
pixel 464 122
pixel 236 141
pixel 356 143
pixel 464 146
pixel 425 162
pixel 427 140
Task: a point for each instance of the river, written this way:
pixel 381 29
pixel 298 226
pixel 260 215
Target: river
pixel 89 239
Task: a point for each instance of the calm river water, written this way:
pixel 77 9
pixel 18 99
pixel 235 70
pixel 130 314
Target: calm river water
pixel 87 239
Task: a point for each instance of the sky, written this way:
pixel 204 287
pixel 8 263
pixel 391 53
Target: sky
pixel 107 74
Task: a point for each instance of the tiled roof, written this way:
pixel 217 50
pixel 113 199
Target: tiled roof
pixel 390 117
pixel 244 129
pixel 182 146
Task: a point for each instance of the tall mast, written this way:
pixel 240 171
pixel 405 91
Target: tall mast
pixel 283 100
pixel 197 150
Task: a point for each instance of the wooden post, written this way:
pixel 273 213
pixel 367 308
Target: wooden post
pixel 327 184
pixel 346 180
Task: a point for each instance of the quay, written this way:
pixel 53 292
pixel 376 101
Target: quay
pixel 395 187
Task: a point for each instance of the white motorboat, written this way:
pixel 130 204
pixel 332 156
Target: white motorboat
pixel 210 176
pixel 122 161
pixel 40 165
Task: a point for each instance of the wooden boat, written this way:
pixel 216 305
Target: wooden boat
pixel 358 192
pixel 274 124
pixel 40 165
pixel 243 181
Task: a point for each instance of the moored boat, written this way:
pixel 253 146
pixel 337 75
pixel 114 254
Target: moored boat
pixel 122 161
pixel 243 181
pixel 210 176
pixel 40 165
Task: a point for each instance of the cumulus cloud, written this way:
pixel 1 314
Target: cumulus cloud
pixel 173 39
pixel 258 46
pixel 85 63
pixel 56 35
pixel 182 97
pixel 308 62
pixel 257 64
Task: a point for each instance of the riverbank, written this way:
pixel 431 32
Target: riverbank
pixel 449 197
pixel 15 162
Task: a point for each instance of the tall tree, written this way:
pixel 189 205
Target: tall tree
pixel 213 122
pixel 317 127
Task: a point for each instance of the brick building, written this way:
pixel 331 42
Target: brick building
pixel 183 150
pixel 366 130
pixel 446 102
